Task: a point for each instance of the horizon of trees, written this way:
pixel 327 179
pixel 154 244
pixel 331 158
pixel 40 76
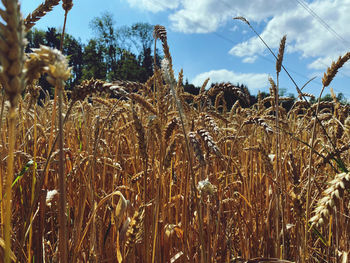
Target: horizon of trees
pixel 118 53
pixel 114 53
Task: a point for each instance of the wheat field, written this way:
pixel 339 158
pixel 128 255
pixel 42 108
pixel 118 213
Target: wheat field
pixel 124 171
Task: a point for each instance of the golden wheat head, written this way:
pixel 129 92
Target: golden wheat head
pixel 39 12
pixel 333 69
pixel 12 50
pixel 280 54
pixel 331 196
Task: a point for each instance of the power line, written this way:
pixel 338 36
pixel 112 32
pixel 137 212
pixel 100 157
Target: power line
pixel 232 42
pixel 344 42
pixel 322 22
pixel 329 28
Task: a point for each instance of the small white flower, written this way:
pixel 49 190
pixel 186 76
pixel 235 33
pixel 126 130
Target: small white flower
pixel 205 187
pixel 272 157
pixel 49 196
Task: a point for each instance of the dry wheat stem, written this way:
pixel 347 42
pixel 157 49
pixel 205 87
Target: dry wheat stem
pixel 279 174
pixel 326 80
pixel 169 78
pixel 313 137
pixel 11 78
pixel 62 185
pixel 58 74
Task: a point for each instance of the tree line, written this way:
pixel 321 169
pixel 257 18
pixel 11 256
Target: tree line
pixel 118 53
pixel 123 53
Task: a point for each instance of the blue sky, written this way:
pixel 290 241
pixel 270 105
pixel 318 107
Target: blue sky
pixel 206 42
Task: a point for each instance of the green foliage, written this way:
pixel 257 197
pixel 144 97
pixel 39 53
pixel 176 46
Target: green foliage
pixel 72 47
pixel 104 28
pixel 123 53
pixel 35 38
pixel 190 88
pixel 328 97
pixel 74 50
pixel 93 61
pixel 52 38
pixel 23 171
pixel 128 68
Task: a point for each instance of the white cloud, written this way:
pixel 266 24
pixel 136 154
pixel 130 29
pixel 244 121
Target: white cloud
pixel 251 59
pixel 154 5
pixel 320 63
pixel 254 81
pixel 203 16
pixel 306 36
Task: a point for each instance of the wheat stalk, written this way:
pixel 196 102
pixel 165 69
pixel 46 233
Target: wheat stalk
pixel 11 78
pixel 59 72
pixel 278 146
pixel 140 132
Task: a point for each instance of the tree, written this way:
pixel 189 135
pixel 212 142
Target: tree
pixel 74 50
pixel 327 97
pixel 94 65
pixel 71 47
pixel 104 28
pixel 341 98
pixel 139 38
pixel 146 61
pixel 52 38
pixel 190 88
pixel 128 68
pixel 35 38
pixel 125 48
pixel 142 36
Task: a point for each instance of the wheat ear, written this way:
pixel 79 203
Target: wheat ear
pixel 331 196
pixel 143 102
pixel 39 12
pixel 209 143
pixel 160 32
pixel 280 54
pixel 326 80
pixel 135 231
pixel 333 69
pixel 11 78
